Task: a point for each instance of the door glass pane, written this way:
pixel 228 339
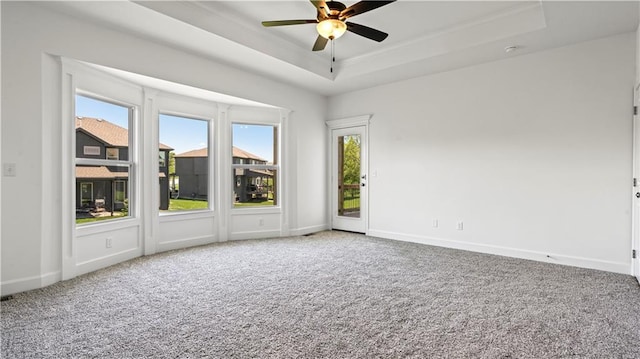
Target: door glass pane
pixel 349 176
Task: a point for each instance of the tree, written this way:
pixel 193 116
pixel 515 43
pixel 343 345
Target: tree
pixel 172 170
pixel 351 163
pixel 172 163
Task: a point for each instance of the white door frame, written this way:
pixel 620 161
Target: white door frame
pixel 635 245
pixel 341 124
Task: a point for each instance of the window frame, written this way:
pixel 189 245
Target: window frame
pixel 208 160
pixel 197 110
pixel 251 165
pixel 129 164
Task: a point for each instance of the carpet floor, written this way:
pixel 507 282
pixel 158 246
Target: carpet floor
pixel 329 295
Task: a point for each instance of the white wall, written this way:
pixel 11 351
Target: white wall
pixel 636 212
pixel 532 153
pixel 638 52
pixel 31 202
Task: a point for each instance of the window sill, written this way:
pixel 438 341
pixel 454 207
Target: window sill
pixel 106 226
pixel 255 210
pixel 182 215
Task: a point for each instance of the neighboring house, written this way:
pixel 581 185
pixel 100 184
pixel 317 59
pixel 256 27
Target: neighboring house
pixel 106 187
pixel 191 169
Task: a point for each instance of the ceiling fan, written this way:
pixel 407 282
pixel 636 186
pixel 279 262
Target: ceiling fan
pixel 331 21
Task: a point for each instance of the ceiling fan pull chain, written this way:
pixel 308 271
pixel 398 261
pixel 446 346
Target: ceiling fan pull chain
pixel 333 54
pixel 333 58
pixel 333 51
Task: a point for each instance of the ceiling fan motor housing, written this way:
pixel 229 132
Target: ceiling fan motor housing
pixel 335 8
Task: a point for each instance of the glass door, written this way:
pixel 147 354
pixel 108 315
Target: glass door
pixel 349 179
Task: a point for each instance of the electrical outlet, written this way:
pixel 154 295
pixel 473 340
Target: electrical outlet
pixel 434 223
pixel 108 242
pixel 9 169
pixel 460 226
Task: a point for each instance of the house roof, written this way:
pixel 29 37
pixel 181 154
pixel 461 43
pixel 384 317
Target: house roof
pixel 102 172
pixel 202 152
pixel 237 152
pixel 240 153
pixel 253 172
pixel 107 132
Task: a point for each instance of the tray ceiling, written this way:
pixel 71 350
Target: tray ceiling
pixel 425 37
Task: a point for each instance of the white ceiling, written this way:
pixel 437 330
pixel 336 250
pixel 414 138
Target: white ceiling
pixel 425 37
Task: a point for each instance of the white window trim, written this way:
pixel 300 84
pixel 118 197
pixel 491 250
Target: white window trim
pixel 189 108
pixel 129 164
pixel 143 159
pixel 274 167
pixel 104 87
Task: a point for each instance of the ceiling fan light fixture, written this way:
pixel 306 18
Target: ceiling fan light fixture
pixel 331 28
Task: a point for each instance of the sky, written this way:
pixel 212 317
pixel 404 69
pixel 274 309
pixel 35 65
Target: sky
pixel 183 134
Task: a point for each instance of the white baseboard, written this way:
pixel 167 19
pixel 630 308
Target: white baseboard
pixel 617 267
pixel 107 261
pixel 310 229
pixel 21 285
pixel 51 278
pixel 29 283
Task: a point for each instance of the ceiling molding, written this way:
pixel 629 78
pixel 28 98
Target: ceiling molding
pixel 201 15
pixel 514 22
pixel 426 37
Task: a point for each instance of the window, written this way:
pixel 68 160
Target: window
pixel 86 194
pixel 184 169
pixel 113 154
pixel 91 150
pixel 102 183
pixel 255 165
pixel 120 191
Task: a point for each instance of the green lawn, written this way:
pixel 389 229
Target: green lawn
pixel 187 204
pixel 253 203
pixel 97 219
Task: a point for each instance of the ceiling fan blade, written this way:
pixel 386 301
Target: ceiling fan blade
pixel 362 7
pixel 287 22
pixel 320 44
pixel 322 7
pixel 366 31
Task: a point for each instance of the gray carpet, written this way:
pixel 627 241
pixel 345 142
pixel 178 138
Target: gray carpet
pixel 333 295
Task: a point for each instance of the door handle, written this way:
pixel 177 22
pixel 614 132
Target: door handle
pixel 364 177
pixel 637 194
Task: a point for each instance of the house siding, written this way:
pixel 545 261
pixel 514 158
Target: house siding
pixel 164 183
pixel 194 177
